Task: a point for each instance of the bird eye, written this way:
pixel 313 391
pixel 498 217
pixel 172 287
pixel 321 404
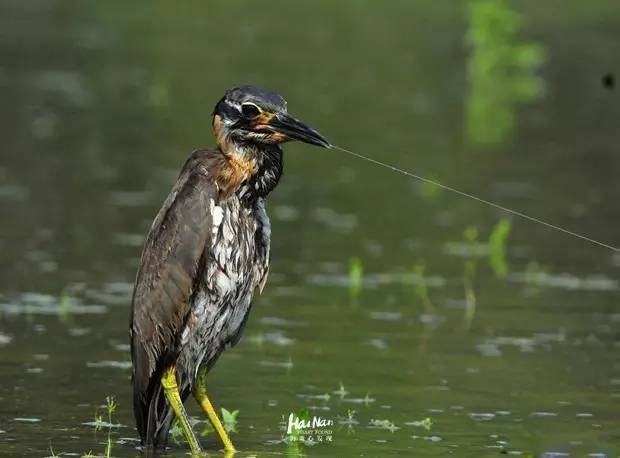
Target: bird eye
pixel 250 110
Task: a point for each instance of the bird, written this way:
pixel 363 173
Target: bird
pixel 206 254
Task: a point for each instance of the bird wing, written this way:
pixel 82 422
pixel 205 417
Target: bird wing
pixel 170 266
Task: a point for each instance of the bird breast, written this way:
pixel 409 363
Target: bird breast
pixel 236 263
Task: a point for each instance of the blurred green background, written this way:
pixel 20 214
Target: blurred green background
pixel 389 301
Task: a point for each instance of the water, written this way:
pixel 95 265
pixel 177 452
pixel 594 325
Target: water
pixel 380 312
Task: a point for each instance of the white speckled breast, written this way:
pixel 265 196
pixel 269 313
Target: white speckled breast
pixel 236 264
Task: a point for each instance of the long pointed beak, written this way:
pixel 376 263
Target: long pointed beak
pixel 293 129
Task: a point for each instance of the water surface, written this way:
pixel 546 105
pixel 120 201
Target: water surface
pixel 387 311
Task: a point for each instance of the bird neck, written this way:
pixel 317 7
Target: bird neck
pixel 268 172
pixel 250 171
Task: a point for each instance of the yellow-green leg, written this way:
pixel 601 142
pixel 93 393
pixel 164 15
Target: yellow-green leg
pixel 171 390
pixel 200 393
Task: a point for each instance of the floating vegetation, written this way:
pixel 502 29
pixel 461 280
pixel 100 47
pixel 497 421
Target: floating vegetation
pixel 426 423
pixel 383 424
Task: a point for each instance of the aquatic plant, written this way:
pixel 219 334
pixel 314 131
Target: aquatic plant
pixel 356 273
pixel 341 391
pixel 64 306
pixel 230 420
pixel 497 247
pixel 420 288
pixel 383 424
pixel 426 423
pixel 367 399
pixel 469 273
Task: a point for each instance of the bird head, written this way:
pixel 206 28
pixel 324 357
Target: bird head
pixel 251 116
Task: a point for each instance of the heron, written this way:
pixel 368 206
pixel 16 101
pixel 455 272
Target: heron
pixel 205 256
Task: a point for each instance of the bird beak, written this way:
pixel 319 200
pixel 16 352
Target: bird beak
pixel 290 128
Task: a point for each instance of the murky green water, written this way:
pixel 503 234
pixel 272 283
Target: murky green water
pixel 380 312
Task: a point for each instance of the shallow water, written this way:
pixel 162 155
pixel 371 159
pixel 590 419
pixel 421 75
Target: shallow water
pixel 379 313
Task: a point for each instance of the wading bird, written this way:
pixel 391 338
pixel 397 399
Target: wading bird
pixel 206 253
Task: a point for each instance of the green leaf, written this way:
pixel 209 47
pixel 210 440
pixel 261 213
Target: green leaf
pixel 497 246
pixel 230 420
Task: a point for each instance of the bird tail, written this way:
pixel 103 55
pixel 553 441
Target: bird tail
pixel 152 412
pixel 151 409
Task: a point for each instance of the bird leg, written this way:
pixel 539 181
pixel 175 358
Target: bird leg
pixel 200 393
pixel 171 390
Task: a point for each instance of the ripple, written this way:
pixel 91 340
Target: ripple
pixel 386 316
pixel 110 364
pixel 5 339
pixel 566 281
pixel 482 416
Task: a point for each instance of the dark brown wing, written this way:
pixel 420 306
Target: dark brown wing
pixel 170 266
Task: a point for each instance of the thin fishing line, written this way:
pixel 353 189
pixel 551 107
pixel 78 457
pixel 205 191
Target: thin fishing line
pixel 471 196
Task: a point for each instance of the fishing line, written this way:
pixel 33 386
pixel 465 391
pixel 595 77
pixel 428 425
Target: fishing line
pixel 476 198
